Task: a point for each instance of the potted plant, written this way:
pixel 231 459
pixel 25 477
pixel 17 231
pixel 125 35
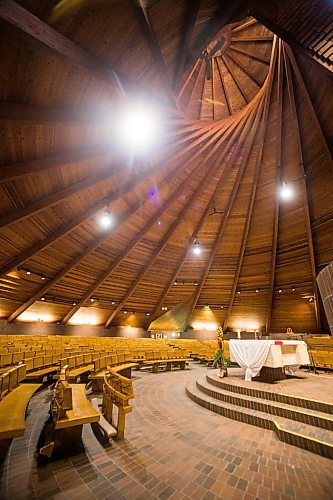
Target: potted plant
pixel 220 360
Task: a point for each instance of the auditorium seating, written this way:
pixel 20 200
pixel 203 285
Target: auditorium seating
pixel 14 399
pixel 321 351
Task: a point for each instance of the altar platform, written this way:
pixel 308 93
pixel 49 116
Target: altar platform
pixel 298 409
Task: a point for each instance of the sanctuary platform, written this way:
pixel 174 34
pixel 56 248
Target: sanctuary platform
pixel 298 409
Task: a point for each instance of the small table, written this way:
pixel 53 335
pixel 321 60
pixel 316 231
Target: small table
pixel 252 355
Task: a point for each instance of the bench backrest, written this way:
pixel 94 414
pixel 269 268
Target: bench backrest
pixel 62 396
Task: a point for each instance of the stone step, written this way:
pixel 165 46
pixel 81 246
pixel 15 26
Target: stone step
pixel 244 388
pixel 310 417
pixel 305 436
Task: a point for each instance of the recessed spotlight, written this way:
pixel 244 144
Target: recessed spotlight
pixel 238 292
pixel 42 298
pixel 28 272
pixel 196 283
pixel 311 299
pixel 73 303
pixel 42 277
pixel 293 289
pixel 175 282
pixel 148 314
pixel 257 290
pixel 113 302
pixel 280 290
pixel 92 299
pixel 125 312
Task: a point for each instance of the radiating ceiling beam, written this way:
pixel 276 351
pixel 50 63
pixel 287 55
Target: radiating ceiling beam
pixel 48 201
pixel 90 248
pixel 227 100
pixel 201 186
pixel 223 178
pixel 247 24
pixel 190 16
pixel 277 181
pixel 312 113
pixel 236 80
pixel 244 68
pixel 253 38
pixel 34 29
pixel 57 160
pixel 255 181
pixel 77 221
pixel 142 13
pixel 247 135
pixel 40 114
pixel 303 187
pixel 134 242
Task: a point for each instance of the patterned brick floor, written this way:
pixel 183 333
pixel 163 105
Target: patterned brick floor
pixel 173 449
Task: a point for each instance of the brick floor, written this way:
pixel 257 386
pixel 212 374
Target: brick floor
pixel 173 449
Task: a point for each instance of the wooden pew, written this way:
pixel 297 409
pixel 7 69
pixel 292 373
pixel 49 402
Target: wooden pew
pixel 100 369
pixel 70 410
pixel 117 390
pixel 14 399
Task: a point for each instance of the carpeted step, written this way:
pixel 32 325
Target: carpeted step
pixel 295 433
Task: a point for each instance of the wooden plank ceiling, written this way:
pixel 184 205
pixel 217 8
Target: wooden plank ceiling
pixel 242 112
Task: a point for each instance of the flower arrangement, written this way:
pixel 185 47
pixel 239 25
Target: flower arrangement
pixel 220 359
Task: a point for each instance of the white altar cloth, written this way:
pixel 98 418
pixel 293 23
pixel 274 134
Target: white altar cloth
pixel 252 355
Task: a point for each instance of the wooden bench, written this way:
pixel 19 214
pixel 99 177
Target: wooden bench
pixel 14 400
pixel 70 410
pixel 169 363
pixel 79 366
pixel 117 391
pixel 100 370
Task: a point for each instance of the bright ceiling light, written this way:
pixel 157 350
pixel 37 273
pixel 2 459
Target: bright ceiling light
pixel 286 191
pixel 196 248
pixel 106 219
pixel 139 127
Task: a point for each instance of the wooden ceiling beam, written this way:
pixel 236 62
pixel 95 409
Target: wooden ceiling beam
pixel 254 38
pixel 227 100
pixel 247 135
pixel 247 24
pixel 91 247
pixel 201 186
pixel 254 184
pixel 57 196
pixel 303 187
pixel 249 54
pixel 235 79
pixel 134 242
pixel 31 113
pixel 223 178
pixel 277 181
pixel 142 13
pixel 312 113
pixel 244 68
pixel 34 29
pixel 190 16
pixel 77 221
pixel 57 160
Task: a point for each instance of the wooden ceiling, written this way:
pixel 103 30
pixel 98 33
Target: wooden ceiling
pixel 242 111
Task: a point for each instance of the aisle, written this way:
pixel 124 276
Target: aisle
pixel 173 449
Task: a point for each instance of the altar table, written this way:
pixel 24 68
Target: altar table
pixel 252 355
